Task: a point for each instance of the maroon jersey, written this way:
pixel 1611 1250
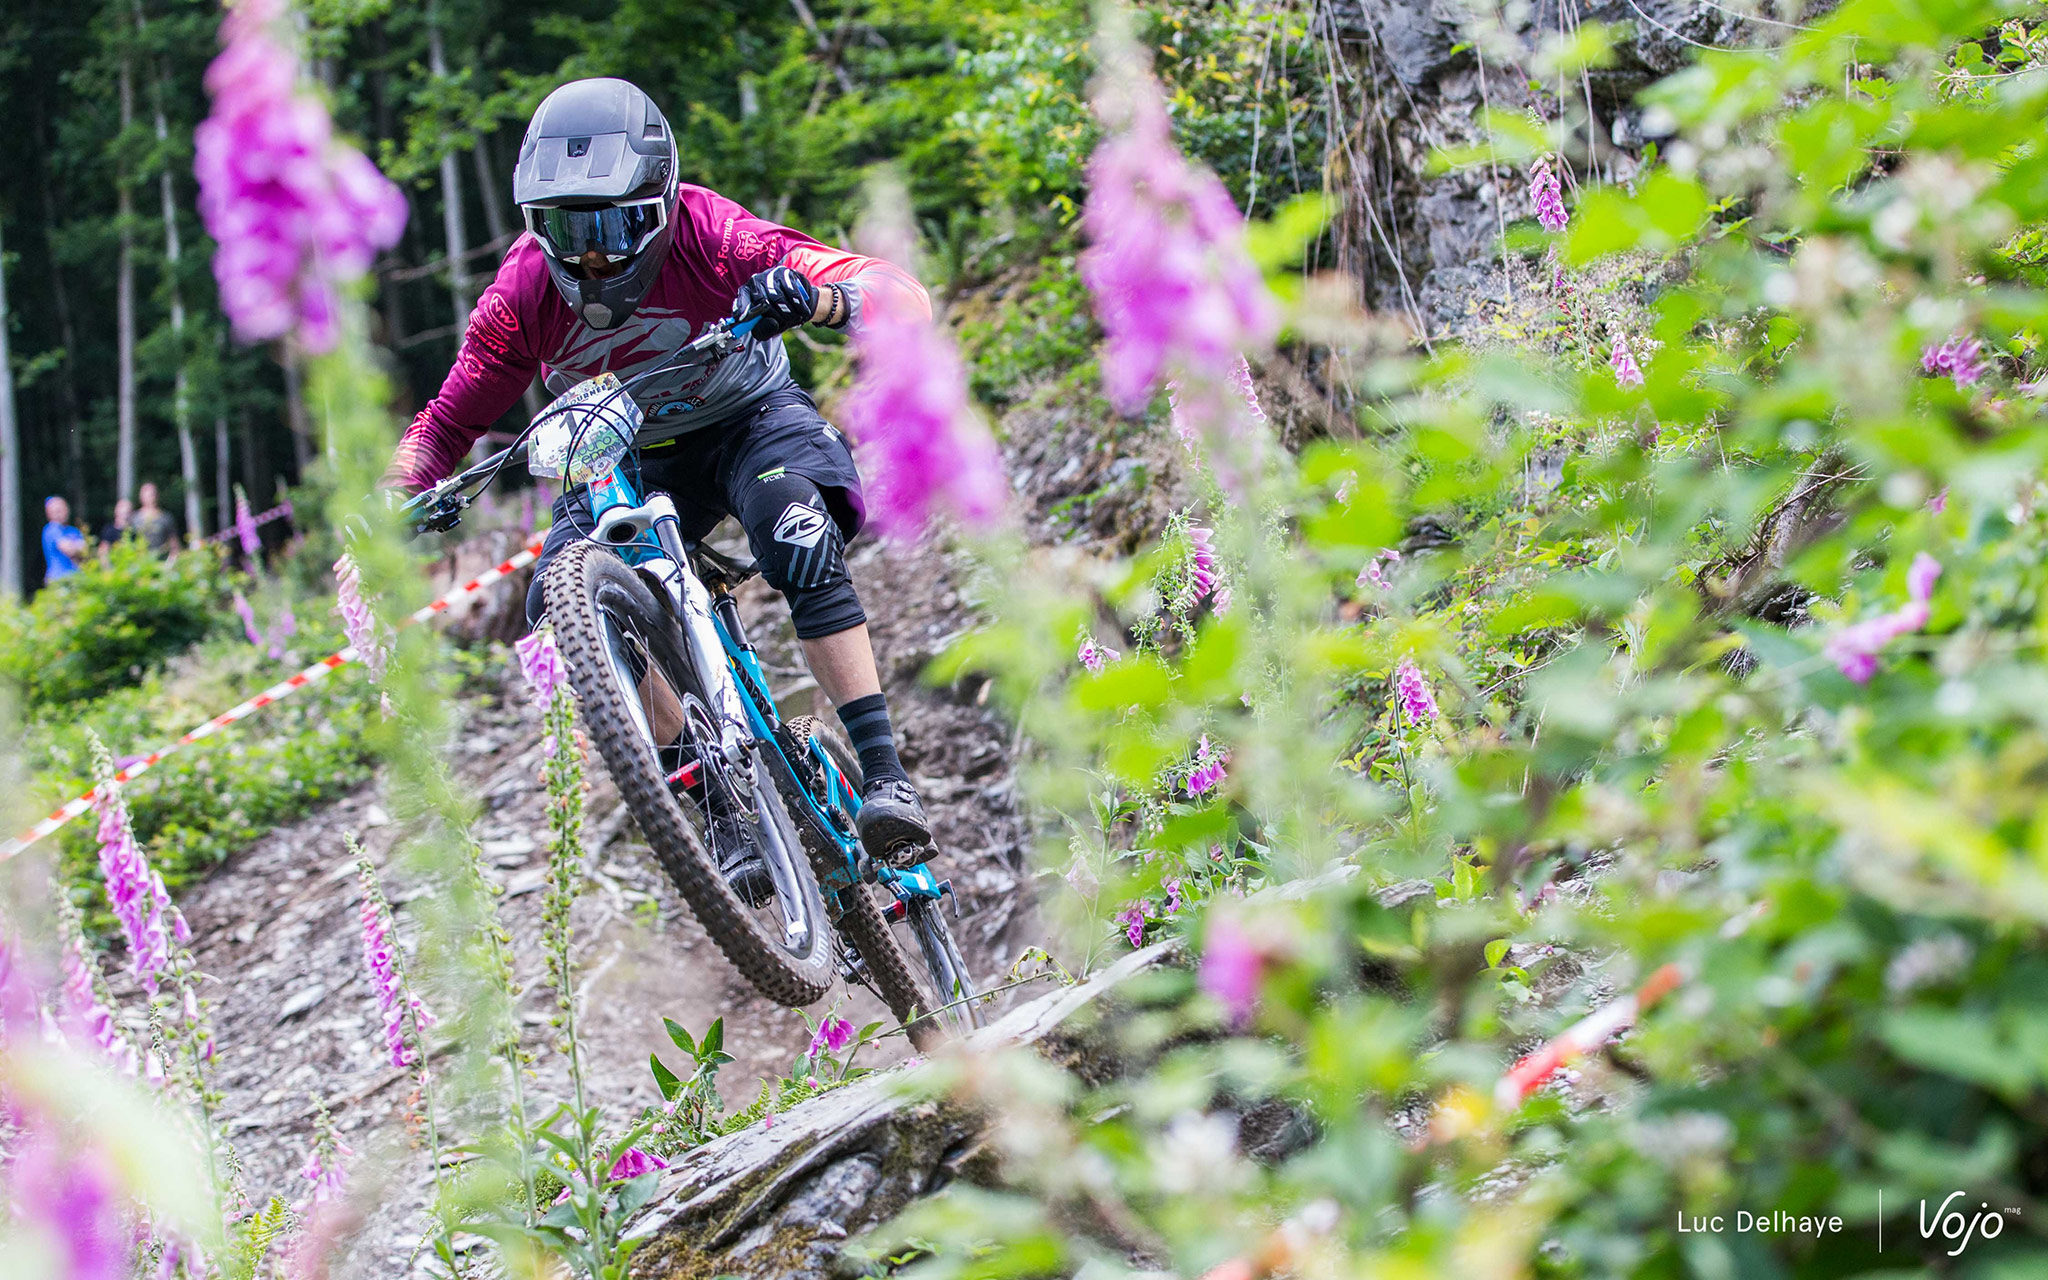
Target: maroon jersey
pixel 521 325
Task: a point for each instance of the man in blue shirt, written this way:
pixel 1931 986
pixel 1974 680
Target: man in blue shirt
pixel 63 544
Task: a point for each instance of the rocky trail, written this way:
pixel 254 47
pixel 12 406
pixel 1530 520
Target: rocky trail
pixel 276 927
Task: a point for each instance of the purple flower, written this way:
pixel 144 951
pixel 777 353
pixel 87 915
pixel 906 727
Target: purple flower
pixel 135 890
pixel 1939 502
pixel 1960 358
pixel 1854 648
pixel 526 512
pixel 541 662
pixel 1178 295
pixel 1416 701
pixel 65 1196
pixel 1230 969
pixel 909 406
pixel 364 632
pixel 286 626
pixel 833 1035
pixel 1132 918
pixel 1548 195
pixel 1208 773
pixel 296 213
pixel 245 531
pixel 1094 656
pixel 380 958
pixel 247 614
pixel 88 1015
pixel 327 1170
pixel 1373 574
pixel 1200 568
pixel 1623 362
pixel 633 1162
pixel 1173 903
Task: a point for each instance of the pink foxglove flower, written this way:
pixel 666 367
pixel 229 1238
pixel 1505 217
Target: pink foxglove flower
pixel 1173 903
pixel 909 405
pixel 1200 568
pixel 1962 359
pixel 296 212
pixel 1939 502
pixel 286 626
pixel 65 1197
pixel 1417 702
pixel 1623 362
pixel 1094 656
pixel 1548 194
pixel 1132 918
pixel 834 1033
pixel 135 890
pixel 541 662
pixel 380 959
pixel 633 1162
pixel 88 1015
pixel 1208 773
pixel 1178 295
pixel 247 613
pixel 360 623
pixel 1231 968
pixel 1854 648
pixel 1374 573
pixel 245 532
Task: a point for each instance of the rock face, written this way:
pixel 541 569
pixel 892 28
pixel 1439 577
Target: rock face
pixel 1412 79
pixel 782 1201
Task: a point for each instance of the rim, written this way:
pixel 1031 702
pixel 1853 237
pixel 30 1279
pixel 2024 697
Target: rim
pixel 947 970
pixel 785 918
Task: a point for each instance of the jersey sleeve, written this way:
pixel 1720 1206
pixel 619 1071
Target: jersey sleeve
pixel 738 244
pixel 500 354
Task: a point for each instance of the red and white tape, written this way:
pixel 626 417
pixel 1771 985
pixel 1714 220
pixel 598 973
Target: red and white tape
pixel 1583 1037
pixel 282 689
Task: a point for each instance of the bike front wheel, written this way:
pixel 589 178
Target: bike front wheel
pixel 630 666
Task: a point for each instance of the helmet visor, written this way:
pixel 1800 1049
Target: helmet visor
pixel 617 231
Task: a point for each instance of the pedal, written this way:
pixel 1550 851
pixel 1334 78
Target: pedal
pixel 908 854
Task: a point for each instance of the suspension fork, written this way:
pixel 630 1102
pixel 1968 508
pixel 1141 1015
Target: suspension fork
pixel 707 652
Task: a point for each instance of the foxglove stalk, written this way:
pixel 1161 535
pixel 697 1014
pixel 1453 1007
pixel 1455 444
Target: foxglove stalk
pixel 1623 362
pixel 1961 358
pixel 381 960
pixel 1412 692
pixel 286 626
pixel 1854 648
pixel 295 212
pixel 1174 285
pixel 1132 918
pixel 933 455
pixel 1548 194
pixel 1374 573
pixel 247 613
pixel 360 623
pixel 65 1196
pixel 1230 970
pixel 540 661
pixel 1094 656
pixel 245 532
pixel 1208 773
pixel 1200 569
pixel 135 890
pixel 86 1011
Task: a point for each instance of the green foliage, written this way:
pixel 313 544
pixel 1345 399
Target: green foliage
pixel 109 624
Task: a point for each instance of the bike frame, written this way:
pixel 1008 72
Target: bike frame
pixel 657 548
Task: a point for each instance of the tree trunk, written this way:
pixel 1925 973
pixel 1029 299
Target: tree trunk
pixel 451 200
pixel 223 479
pixel 124 313
pixel 11 532
pixel 295 410
pixel 487 187
pixel 67 379
pixel 181 399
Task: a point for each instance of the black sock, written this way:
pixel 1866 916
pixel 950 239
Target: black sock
pixel 867 725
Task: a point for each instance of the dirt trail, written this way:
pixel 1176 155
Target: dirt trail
pixel 276 926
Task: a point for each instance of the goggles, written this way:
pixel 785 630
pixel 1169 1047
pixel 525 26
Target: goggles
pixel 618 231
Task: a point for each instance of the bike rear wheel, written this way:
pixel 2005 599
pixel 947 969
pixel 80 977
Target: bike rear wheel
pixel 612 633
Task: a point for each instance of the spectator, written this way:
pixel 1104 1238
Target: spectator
pixel 154 525
pixel 120 527
pixel 63 544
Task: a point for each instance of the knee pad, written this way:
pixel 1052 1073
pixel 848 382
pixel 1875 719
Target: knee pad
pixel 802 553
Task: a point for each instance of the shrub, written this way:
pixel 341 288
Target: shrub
pixel 109 624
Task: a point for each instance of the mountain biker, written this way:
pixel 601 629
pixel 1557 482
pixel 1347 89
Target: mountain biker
pixel 622 265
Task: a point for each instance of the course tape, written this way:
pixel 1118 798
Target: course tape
pixel 278 512
pixel 282 689
pixel 1583 1037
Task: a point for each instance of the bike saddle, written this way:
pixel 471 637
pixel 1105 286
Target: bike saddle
pixel 722 566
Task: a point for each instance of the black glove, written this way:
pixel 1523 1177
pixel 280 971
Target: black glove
pixel 781 298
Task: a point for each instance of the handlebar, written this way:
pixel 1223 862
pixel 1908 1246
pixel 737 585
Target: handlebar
pixel 440 508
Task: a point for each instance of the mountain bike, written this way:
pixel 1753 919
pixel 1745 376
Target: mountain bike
pixel 674 696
